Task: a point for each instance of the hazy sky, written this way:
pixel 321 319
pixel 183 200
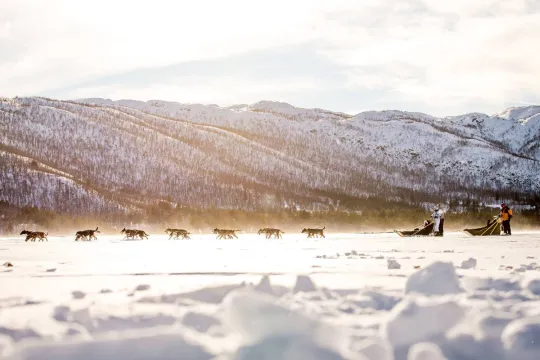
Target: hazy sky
pixel 436 56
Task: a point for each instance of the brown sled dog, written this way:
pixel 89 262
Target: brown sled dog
pixel 132 233
pixel 34 235
pixel 86 235
pixel 178 233
pixel 314 232
pixel 271 231
pixel 225 233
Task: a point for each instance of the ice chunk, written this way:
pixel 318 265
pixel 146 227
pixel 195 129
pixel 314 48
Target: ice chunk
pixel 393 264
pixel 304 284
pixel 142 287
pixel 61 313
pixel 264 285
pixel 438 278
pixel 78 295
pixel 469 263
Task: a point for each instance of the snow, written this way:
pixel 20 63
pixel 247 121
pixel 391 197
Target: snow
pixel 429 319
pixel 425 351
pixel 520 113
pixel 254 298
pixel 376 348
pixel 438 278
pixel 521 338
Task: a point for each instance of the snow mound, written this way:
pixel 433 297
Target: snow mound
pixel 6 346
pixel 373 299
pixel 286 348
pixel 142 287
pixel 490 284
pixel 486 325
pixel 478 336
pixel 199 321
pixel 256 316
pixel 166 345
pixel 210 295
pixel 534 286
pixel 469 263
pixel 429 319
pixel 271 331
pixel 304 284
pixel 425 351
pixel 438 278
pixel 375 349
pixel 18 333
pixel 492 325
pixel 98 319
pixel 524 267
pixel 521 339
pixel 78 294
pixel 393 264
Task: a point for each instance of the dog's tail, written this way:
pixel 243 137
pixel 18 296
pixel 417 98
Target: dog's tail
pixel 324 228
pixel 97 227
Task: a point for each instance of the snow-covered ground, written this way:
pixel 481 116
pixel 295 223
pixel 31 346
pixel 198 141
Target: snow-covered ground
pixel 344 297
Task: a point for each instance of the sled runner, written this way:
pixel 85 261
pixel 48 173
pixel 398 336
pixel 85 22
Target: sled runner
pixel 425 231
pixel 494 228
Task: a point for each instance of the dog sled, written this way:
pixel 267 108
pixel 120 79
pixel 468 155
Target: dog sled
pixel 493 228
pixel 424 231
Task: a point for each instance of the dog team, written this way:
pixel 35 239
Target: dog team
pixel 133 234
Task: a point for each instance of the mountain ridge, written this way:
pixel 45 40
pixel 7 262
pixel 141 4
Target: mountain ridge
pixel 125 154
pixel 535 109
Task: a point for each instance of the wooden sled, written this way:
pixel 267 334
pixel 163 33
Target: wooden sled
pixel 425 231
pixel 493 228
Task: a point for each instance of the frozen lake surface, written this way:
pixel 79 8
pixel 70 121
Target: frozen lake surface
pixel 457 297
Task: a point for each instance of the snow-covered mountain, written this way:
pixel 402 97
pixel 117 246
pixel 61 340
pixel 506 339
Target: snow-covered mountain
pixel 102 155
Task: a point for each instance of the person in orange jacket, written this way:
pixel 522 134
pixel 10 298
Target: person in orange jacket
pixel 506 216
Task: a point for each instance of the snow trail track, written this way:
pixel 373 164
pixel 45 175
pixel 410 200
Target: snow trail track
pixel 470 297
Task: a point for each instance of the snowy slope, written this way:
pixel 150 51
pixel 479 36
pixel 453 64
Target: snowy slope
pixel 269 154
